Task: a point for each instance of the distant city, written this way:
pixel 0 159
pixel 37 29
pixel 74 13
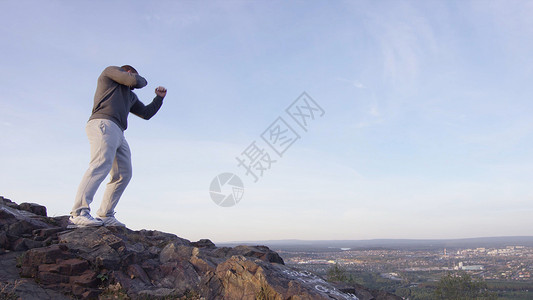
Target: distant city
pixel 508 263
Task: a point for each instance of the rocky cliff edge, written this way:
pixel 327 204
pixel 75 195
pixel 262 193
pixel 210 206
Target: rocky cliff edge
pixel 41 259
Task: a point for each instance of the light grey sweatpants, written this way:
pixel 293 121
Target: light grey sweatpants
pixel 110 154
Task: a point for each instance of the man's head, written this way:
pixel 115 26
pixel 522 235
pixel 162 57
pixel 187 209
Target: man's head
pixel 129 69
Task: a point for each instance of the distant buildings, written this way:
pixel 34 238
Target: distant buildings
pixel 509 263
pixel 461 266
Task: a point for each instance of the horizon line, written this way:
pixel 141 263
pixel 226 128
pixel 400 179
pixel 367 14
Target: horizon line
pixel 376 239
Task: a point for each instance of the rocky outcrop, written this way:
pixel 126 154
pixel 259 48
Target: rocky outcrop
pixel 42 259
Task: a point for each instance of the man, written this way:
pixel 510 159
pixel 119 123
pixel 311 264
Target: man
pixel 110 153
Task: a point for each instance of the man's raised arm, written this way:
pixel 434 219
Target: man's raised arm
pixel 117 74
pixel 148 111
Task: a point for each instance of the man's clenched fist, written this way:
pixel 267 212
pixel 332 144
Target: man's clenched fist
pixel 161 91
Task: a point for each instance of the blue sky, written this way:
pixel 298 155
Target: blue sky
pixel 427 131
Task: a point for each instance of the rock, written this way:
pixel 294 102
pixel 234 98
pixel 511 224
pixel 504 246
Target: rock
pixel 143 264
pixel 8 203
pixel 86 279
pixel 29 289
pixel 33 208
pixel 248 278
pixel 88 238
pixel 176 251
pixel 204 243
pixel 136 248
pixel 45 255
pixel 24 288
pixel 34 258
pixel 161 293
pixel 179 275
pixel 203 265
pixel 261 252
pixel 4 241
pixel 9 213
pixel 136 271
pixel 357 290
pixel 19 228
pixel 90 294
pixel 105 257
pixel 22 244
pixel 382 295
pixel 47 232
pixel 74 266
pixel 49 278
pixel 6 217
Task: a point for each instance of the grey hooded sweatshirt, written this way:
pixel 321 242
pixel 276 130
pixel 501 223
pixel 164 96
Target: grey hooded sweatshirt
pixel 114 99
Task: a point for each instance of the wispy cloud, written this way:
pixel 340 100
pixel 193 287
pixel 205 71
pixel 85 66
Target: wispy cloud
pixel 403 40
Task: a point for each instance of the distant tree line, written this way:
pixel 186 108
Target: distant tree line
pixel 452 286
pixel 462 286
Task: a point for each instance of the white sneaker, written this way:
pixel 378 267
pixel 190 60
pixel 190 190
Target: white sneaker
pixel 111 221
pixel 84 220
